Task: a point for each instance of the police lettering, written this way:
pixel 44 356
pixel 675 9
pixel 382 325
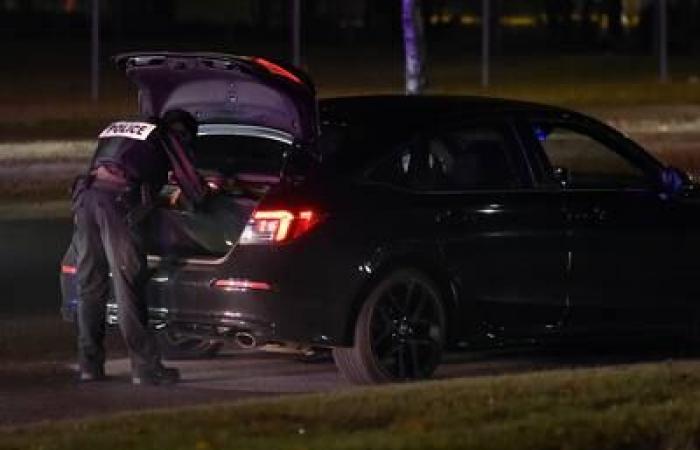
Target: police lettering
pixel 130 130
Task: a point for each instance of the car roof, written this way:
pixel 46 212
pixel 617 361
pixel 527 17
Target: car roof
pixel 378 119
pixel 402 111
pixel 356 128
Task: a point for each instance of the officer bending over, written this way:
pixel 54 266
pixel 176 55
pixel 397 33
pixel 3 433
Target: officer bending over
pixel 128 169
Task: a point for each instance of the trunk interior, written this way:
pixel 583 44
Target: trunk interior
pixel 240 170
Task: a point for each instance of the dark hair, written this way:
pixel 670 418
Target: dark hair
pixel 175 116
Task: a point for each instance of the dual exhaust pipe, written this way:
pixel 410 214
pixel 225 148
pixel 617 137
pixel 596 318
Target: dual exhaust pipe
pixel 245 340
pixel 248 341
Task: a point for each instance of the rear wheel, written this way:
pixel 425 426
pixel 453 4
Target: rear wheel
pixel 175 347
pixel 399 334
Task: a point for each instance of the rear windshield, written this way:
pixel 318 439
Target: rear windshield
pixel 239 156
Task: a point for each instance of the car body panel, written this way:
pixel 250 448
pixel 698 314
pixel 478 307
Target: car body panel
pixel 624 251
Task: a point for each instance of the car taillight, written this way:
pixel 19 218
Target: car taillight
pixel 277 69
pixel 270 226
pixel 69 270
pixel 233 284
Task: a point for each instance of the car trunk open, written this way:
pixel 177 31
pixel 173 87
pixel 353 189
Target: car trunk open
pixel 253 115
pixel 239 169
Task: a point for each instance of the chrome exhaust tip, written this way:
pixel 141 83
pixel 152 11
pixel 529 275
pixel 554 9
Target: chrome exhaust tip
pixel 245 340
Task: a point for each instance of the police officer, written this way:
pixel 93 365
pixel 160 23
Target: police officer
pixel 128 169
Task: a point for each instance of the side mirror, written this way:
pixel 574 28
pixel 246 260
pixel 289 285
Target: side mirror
pixel 673 181
pixel 562 175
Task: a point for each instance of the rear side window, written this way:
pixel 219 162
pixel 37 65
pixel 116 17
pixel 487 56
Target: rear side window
pixel 476 157
pixel 400 169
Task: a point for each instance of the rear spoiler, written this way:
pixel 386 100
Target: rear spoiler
pixel 217 61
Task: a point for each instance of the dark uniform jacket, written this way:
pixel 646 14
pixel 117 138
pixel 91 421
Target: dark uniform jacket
pixel 141 153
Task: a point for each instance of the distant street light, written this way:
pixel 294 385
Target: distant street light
pixel 296 32
pixel 95 51
pixel 485 43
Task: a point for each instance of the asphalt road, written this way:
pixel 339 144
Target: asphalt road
pixel 30 255
pixel 36 394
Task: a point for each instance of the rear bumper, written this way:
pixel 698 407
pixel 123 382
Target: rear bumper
pixel 217 326
pixel 271 317
pixel 302 292
pixel 188 304
pixel 308 299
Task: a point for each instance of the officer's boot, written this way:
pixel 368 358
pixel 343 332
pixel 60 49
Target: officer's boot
pixel 161 375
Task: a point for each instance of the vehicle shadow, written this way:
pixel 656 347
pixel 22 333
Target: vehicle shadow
pixel 263 372
pixel 560 357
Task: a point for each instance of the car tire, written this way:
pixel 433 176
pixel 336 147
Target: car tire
pixel 177 347
pixel 399 334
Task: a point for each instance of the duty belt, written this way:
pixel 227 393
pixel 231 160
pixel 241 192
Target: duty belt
pixel 107 178
pixel 109 173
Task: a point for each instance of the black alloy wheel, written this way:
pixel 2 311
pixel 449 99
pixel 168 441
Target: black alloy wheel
pixel 399 334
pixel 178 347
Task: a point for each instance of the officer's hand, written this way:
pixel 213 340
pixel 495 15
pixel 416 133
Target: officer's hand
pixel 174 198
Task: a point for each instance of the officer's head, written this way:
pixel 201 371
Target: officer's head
pixel 182 123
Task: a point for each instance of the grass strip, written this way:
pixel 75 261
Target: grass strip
pixel 652 406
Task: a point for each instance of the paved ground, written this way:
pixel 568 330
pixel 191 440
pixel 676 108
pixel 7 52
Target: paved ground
pixel 30 256
pixel 48 391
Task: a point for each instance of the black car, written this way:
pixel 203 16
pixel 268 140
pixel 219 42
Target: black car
pixel 389 228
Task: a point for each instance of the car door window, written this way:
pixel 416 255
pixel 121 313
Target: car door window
pixel 472 158
pixel 400 169
pixel 585 160
pixel 475 157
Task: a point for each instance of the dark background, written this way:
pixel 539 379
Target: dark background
pixel 521 26
pixel 542 50
pixel 55 34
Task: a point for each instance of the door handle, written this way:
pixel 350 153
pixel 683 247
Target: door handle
pixel 454 217
pixel 598 214
pixel 444 217
pixel 594 215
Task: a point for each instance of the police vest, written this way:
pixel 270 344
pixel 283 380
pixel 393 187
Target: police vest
pixel 133 148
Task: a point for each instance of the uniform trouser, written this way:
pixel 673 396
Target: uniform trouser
pixel 106 243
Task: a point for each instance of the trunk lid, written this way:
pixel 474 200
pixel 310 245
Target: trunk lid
pixel 221 88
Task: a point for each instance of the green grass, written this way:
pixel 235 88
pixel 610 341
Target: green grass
pixel 15 191
pixel 41 171
pixel 635 407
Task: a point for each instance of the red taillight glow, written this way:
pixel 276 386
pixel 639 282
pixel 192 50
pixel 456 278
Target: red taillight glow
pixel 274 224
pixel 278 225
pixel 232 284
pixel 277 70
pixel 69 270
